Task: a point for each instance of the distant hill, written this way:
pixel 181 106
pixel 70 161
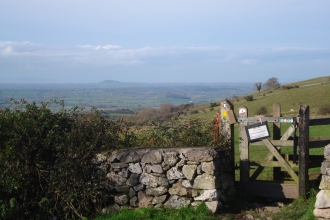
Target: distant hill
pixel 111 82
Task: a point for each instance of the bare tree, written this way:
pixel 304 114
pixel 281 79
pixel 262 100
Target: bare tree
pixel 272 83
pixel 257 86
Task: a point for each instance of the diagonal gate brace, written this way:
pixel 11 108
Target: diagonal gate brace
pixel 283 162
pixel 270 156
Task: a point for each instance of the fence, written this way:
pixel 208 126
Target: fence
pixel 296 164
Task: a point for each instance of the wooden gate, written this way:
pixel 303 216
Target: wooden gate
pixel 295 164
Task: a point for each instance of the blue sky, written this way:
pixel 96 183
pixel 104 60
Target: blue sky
pixel 78 41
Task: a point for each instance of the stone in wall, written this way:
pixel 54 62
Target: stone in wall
pixel 327 152
pixel 149 180
pixel 178 189
pixel 325 168
pixel 159 199
pixel 115 179
pixel 322 204
pixel 213 206
pixel 206 181
pixel 209 195
pixel 144 200
pixel 171 158
pixel 174 173
pixel 133 179
pixel 189 171
pixel 135 168
pixel 201 155
pixel 323 199
pixel 157 168
pixel 157 191
pixel 153 156
pixel 121 199
pixel 176 201
pixel 325 183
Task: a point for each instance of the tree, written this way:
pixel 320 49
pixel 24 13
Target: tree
pixel 272 83
pixel 257 86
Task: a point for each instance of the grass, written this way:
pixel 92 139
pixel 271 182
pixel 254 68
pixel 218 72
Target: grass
pixel 186 213
pixel 313 92
pixel 300 209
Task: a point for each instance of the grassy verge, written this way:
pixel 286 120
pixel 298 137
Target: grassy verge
pixel 301 208
pixel 186 213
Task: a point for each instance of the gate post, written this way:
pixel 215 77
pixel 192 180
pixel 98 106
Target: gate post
pixel 227 128
pixel 303 143
pixel 243 147
pixel 276 136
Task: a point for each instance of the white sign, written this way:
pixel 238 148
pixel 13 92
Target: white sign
pixel 242 111
pixel 257 131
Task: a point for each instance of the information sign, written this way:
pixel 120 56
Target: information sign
pixel 257 131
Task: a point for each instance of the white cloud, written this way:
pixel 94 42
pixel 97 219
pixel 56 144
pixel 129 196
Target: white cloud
pixel 297 49
pixel 98 47
pixel 20 53
pixel 8 51
pixel 249 61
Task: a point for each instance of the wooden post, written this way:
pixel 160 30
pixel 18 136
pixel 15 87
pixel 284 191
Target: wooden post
pixel 243 147
pixel 277 136
pixel 227 128
pixel 303 143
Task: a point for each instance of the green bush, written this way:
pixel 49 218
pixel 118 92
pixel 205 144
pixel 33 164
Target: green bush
pixel 261 111
pixel 324 109
pixel 248 98
pixel 180 133
pixel 214 104
pixel 287 87
pixel 46 160
pixel 235 98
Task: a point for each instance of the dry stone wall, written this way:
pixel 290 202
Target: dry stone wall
pixel 322 204
pixel 166 178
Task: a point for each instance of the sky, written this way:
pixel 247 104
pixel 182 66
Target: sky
pixel 154 41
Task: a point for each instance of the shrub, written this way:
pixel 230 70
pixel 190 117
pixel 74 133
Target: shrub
pixel 324 109
pixel 194 112
pixel 180 133
pixel 235 98
pixel 261 111
pixel 214 104
pixel 287 87
pixel 248 98
pixel 46 160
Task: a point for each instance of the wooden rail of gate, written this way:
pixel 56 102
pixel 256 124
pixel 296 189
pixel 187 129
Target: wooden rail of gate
pixel 299 159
